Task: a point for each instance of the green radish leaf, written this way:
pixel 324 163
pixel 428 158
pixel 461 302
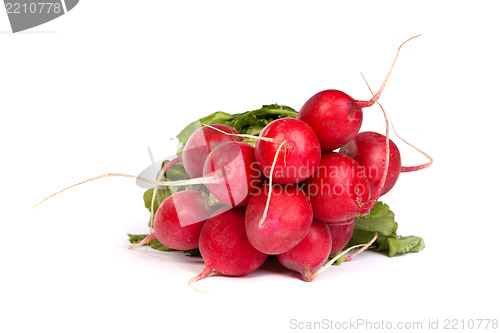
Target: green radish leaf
pixel 162 193
pixel 402 245
pixel 338 261
pixel 381 220
pixel 175 172
pixel 250 122
pixel 155 244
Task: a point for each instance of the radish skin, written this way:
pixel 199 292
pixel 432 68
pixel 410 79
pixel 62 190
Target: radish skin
pixel 341 234
pixel 339 189
pixel 369 150
pixel 288 218
pixel 311 253
pixel 334 109
pixel 180 218
pixel 234 164
pixel 224 246
pixel 202 142
pixel 300 156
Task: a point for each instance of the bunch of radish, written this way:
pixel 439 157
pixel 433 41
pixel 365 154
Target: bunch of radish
pixel 292 195
pixel 293 191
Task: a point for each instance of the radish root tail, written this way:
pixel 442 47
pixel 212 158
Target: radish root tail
pixel 366 246
pixel 375 196
pixel 247 136
pixel 266 209
pixel 208 180
pixel 310 277
pixel 204 273
pixel 417 167
pixel 364 104
pixel 92 179
pixel 144 241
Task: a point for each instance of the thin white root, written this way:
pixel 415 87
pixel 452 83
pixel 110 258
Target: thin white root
pixel 208 180
pixel 423 166
pixel 375 97
pixel 190 284
pixel 378 191
pixel 91 179
pixel 206 272
pixel 254 137
pixel 358 252
pixel 143 242
pixel 266 209
pixel 334 259
pixel 403 168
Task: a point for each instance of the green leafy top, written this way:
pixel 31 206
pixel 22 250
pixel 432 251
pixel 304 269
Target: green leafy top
pixel 381 220
pixel 155 244
pixel 250 122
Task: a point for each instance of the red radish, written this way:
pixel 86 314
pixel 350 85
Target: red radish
pixel 299 157
pixel 239 176
pixel 339 189
pixel 224 245
pixel 288 217
pixel 179 219
pixel 341 234
pixel 201 143
pixel 311 253
pixel 369 150
pixel 335 116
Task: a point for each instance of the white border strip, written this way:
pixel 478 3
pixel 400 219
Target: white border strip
pixel 63 3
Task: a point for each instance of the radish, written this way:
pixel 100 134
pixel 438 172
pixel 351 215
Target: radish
pixel 224 245
pixel 335 116
pixel 339 189
pixel 290 147
pixel 287 150
pixel 300 156
pixel 341 234
pixel 371 150
pixel 201 143
pixel 178 220
pixel 368 149
pixel 311 253
pixel 308 276
pixel 239 176
pixel 276 223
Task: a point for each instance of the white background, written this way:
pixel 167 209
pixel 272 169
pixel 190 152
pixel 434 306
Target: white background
pixel 88 93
